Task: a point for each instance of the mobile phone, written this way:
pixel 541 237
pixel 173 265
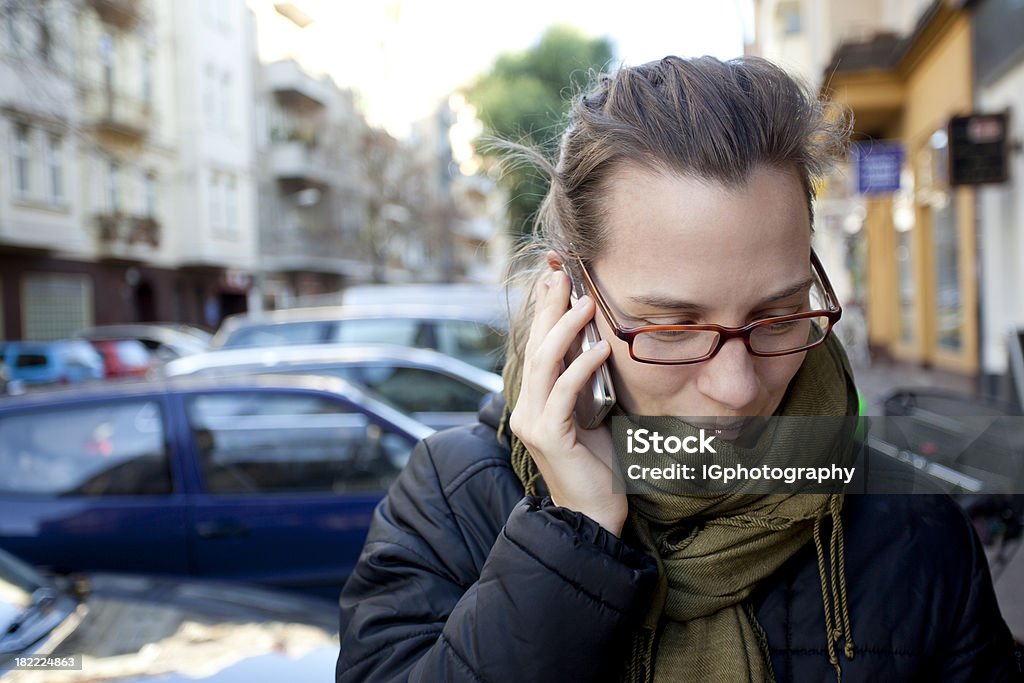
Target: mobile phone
pixel 598 397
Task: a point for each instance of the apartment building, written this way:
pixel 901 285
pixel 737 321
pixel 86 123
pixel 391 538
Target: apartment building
pixel 214 188
pixel 313 185
pixel 127 159
pixel 46 284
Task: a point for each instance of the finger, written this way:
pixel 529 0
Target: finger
pixel 576 378
pixel 551 304
pixel 564 333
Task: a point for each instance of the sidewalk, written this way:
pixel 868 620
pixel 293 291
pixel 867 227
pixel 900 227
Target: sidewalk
pixel 878 381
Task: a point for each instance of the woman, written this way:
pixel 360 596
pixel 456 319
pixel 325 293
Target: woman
pixel 681 196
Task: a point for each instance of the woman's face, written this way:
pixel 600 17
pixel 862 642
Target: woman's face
pixel 691 251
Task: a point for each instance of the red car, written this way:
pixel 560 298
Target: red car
pixel 125 357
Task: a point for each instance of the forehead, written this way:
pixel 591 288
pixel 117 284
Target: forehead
pixel 671 232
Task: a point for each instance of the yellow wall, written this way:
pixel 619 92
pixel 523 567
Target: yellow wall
pixel 939 86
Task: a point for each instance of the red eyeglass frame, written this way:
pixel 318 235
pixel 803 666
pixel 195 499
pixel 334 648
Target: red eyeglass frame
pixel 628 334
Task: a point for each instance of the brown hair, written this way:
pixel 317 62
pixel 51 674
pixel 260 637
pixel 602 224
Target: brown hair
pixel 700 118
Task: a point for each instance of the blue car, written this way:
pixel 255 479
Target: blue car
pixel 265 478
pixel 66 361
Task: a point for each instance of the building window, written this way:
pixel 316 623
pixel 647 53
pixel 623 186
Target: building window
pixel 55 167
pixel 230 204
pixel 22 160
pixel 149 194
pixel 210 95
pixel 11 24
pixel 44 41
pixel 220 13
pixel 107 59
pixel 147 80
pixel 113 187
pixel 215 200
pixel 790 18
pixel 907 290
pixel 225 101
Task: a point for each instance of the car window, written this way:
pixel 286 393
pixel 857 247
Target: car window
pixel 312 332
pixel 401 331
pixel 108 449
pixel 278 442
pixel 30 360
pixel 418 390
pixel 475 343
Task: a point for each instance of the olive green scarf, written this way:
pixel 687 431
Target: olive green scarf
pixel 712 551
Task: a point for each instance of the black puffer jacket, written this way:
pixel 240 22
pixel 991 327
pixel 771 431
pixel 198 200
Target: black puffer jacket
pixel 462 579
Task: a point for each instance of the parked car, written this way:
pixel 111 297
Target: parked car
pixel 435 389
pixel 65 361
pixel 125 358
pixel 166 341
pixel 472 334
pixel 140 628
pixel 268 478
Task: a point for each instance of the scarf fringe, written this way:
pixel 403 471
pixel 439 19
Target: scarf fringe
pixel 833 587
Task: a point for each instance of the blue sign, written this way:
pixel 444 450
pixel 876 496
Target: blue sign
pixel 878 166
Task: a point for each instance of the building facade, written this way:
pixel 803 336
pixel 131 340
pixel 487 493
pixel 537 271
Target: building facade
pixel 921 297
pixel 127 192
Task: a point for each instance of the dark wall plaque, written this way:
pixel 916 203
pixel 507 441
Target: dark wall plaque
pixel 978 149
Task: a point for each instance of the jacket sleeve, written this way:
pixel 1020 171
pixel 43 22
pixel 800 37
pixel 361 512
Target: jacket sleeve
pixel 981 647
pixel 556 593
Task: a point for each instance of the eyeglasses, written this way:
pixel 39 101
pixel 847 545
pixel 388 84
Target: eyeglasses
pixel 775 336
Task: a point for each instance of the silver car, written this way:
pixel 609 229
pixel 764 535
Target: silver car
pixel 432 388
pixel 474 334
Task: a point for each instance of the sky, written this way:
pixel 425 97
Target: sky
pixel 405 56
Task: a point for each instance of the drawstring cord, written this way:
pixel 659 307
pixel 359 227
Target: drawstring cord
pixel 833 587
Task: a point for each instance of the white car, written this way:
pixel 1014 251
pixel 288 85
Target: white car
pixel 432 388
pixel 474 334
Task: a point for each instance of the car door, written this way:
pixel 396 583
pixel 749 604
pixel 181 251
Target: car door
pixel 426 394
pixel 92 486
pixel 290 481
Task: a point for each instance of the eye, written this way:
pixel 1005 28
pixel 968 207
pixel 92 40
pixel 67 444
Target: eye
pixel 782 328
pixel 670 335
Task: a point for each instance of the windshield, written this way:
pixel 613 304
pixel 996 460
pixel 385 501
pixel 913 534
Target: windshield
pixel 18 582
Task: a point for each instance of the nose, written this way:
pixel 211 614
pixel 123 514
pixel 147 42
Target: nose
pixel 730 378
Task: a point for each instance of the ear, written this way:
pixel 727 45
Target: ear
pixel 554 260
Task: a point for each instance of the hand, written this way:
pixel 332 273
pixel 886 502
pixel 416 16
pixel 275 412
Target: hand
pixel 575 462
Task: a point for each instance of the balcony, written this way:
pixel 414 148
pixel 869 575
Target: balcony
pixel 106 109
pixel 298 165
pixel 124 237
pixel 121 13
pixel 294 88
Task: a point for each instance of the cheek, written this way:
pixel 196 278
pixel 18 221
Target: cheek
pixel 777 373
pixel 648 389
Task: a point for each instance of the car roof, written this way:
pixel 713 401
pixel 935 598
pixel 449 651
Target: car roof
pixel 190 383
pixel 496 316
pixel 310 355
pixel 167 333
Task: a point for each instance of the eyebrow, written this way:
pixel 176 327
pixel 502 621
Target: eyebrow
pixel 668 303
